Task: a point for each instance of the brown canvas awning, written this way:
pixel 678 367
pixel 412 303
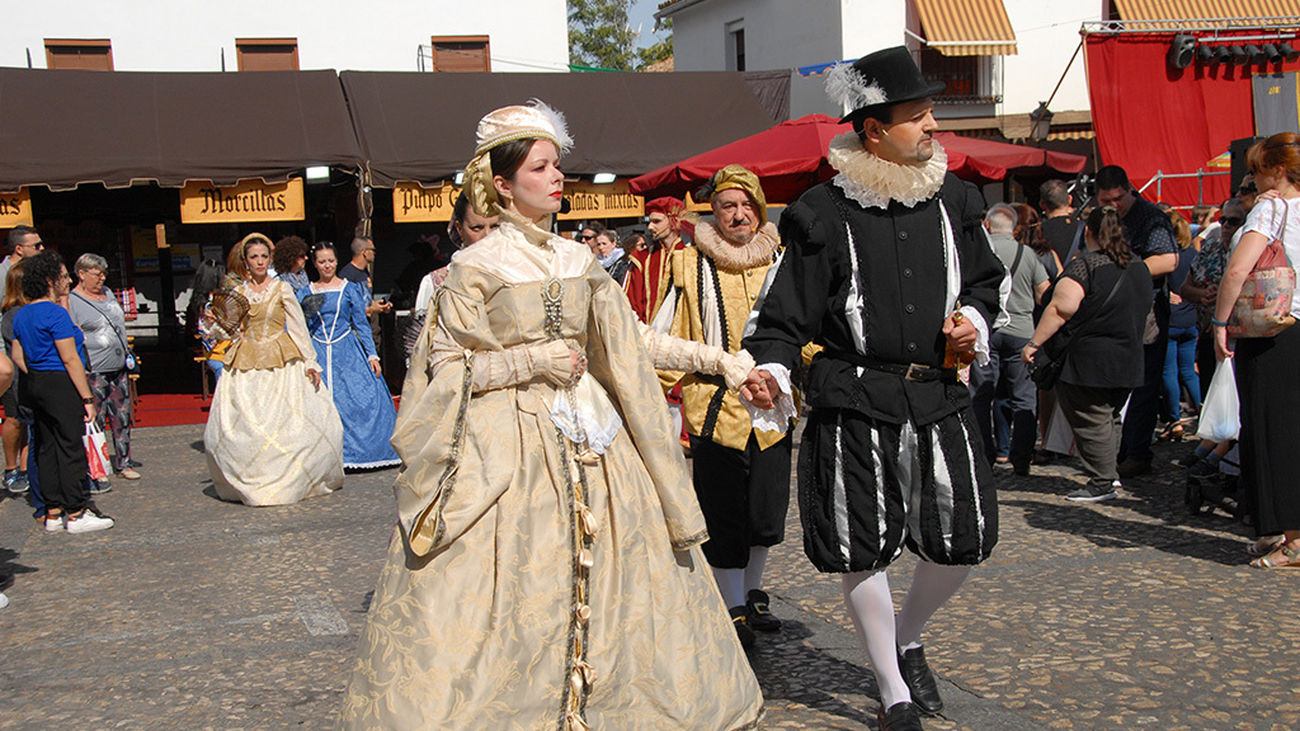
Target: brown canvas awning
pixel 63 128
pixel 420 127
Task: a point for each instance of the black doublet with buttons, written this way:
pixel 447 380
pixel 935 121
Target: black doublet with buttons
pixel 885 461
pixel 902 280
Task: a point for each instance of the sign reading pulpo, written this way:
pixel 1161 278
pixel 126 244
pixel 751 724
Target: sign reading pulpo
pixel 414 203
pixel 15 209
pixel 248 201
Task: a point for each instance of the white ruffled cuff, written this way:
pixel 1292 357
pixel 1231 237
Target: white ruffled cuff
pixel 778 417
pixel 982 333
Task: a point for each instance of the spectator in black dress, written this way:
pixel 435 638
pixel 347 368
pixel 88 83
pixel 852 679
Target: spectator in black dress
pixel 1103 359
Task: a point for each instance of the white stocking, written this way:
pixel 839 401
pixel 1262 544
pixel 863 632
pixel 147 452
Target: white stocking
pixel 932 585
pixel 731 584
pixel 754 570
pixel 866 596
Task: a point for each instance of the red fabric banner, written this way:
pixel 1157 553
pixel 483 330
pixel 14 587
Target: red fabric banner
pixel 1152 117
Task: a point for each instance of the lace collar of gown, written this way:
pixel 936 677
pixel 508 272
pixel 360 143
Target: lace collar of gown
pixel 519 251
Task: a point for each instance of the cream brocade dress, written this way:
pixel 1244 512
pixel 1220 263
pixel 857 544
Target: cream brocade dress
pixel 519 594
pixel 271 437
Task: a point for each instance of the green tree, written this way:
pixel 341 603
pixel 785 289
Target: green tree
pixel 659 51
pixel 599 34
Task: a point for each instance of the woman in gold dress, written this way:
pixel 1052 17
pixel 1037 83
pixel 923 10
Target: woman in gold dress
pixel 273 435
pixel 545 572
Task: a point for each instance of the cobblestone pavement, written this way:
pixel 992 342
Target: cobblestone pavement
pixel 193 613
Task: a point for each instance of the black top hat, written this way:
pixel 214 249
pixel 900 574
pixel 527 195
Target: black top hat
pixel 880 79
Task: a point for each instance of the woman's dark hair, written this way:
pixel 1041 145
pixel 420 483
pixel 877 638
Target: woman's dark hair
pixel 324 246
pixel 286 253
pixel 457 216
pixel 1104 225
pixel 207 279
pixel 40 272
pixel 507 157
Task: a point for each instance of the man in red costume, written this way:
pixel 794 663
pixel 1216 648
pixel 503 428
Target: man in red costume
pixel 648 278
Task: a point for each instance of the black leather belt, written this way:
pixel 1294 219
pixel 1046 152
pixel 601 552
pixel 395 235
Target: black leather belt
pixel 909 371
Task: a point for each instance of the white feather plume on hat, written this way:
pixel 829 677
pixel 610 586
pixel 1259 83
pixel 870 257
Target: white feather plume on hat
pixel 535 119
pixel 847 86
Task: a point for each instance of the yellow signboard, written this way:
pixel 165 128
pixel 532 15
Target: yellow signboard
pixel 15 209
pixel 249 201
pixel 414 203
pixel 611 200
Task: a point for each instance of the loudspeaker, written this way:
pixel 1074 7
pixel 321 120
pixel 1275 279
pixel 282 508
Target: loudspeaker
pixel 1182 50
pixel 1237 149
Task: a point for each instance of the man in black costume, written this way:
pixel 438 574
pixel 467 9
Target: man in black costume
pixel 886 267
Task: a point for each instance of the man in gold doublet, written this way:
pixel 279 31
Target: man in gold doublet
pixel 741 474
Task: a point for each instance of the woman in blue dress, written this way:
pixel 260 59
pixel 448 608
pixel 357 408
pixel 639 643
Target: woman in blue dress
pixel 336 317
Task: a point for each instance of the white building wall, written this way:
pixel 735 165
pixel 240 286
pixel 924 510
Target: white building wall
pixel 792 33
pixel 148 35
pixel 1047 32
pixel 779 34
pixel 870 25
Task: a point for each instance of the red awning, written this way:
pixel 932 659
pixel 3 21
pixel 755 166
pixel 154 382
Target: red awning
pixel 791 157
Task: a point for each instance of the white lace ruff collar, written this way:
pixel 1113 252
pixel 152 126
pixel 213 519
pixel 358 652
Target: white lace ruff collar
pixel 874 182
pixel 760 249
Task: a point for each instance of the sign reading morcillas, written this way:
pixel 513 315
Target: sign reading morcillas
pixel 608 200
pixel 414 203
pixel 15 209
pixel 248 201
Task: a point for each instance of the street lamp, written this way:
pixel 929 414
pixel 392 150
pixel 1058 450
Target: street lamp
pixel 1040 122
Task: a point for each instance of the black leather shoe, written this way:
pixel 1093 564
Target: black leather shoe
pixel 899 717
pixel 759 613
pixel 920 680
pixel 739 618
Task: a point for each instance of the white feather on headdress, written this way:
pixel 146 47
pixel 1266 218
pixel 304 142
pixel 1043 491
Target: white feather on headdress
pixel 556 118
pixel 848 87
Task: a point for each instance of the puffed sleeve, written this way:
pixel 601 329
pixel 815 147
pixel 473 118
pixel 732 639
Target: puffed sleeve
pixel 445 430
pixel 619 362
pixel 296 325
pixel 358 320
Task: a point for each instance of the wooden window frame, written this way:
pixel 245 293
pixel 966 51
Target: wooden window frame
pixel 77 43
pixel 435 40
pixel 241 43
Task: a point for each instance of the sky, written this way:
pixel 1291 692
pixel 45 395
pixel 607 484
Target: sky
pixel 642 14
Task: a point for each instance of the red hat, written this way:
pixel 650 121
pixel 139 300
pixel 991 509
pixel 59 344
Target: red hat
pixel 675 209
pixel 667 205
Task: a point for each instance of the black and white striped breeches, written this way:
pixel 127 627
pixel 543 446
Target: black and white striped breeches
pixel 868 488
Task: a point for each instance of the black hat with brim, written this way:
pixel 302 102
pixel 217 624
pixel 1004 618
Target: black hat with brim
pixel 879 80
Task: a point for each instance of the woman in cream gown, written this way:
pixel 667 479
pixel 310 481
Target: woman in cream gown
pixel 545 572
pixel 273 435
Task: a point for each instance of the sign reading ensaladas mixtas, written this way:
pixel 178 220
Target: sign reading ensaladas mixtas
pixel 248 201
pixel 15 209
pixel 413 203
pixel 611 200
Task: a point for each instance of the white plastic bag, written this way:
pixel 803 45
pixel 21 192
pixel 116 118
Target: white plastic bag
pixel 1221 411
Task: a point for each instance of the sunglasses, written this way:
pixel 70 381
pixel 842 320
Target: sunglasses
pixel 585 237
pixel 1232 220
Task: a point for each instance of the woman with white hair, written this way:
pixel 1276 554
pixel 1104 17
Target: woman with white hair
pixel 545 571
pixel 95 310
